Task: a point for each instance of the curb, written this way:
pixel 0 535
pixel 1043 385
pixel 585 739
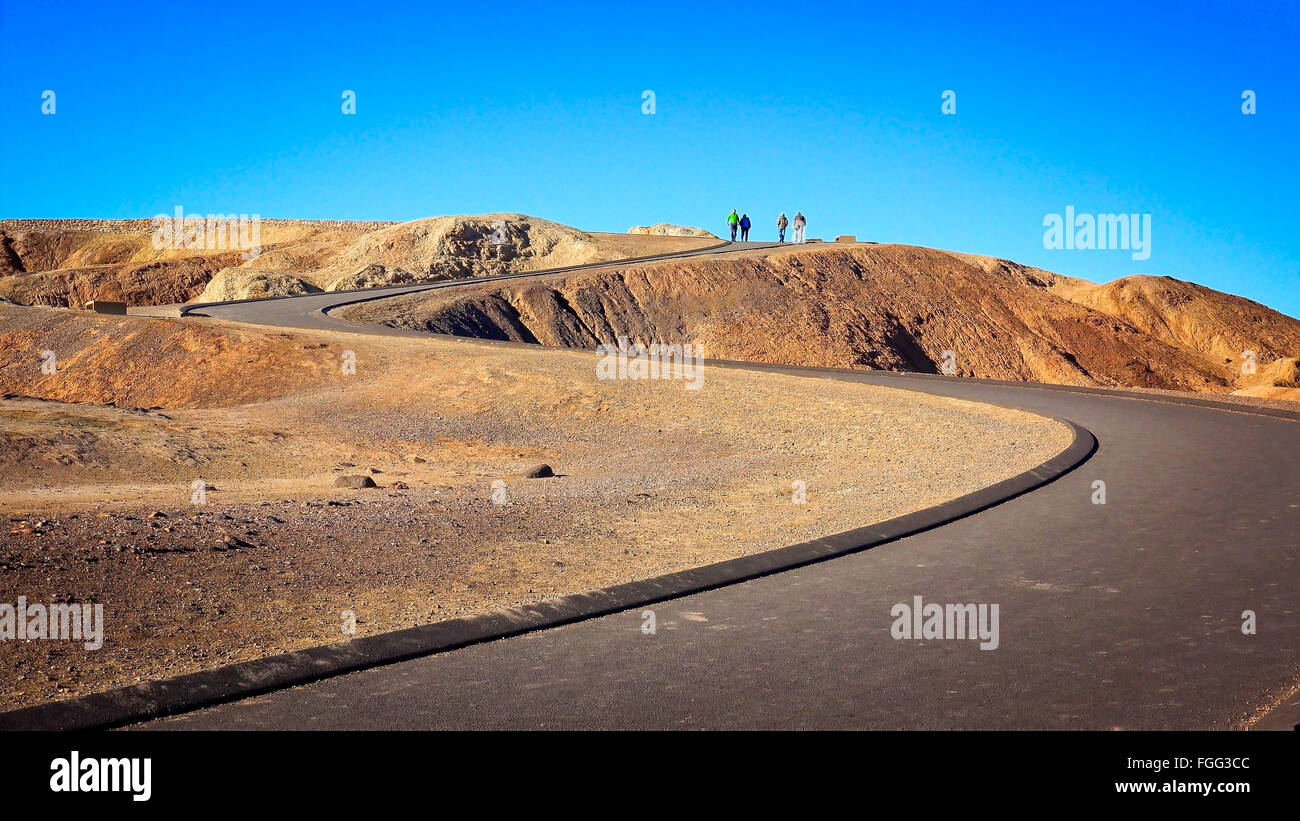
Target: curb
pixel 1283 717
pixel 157 699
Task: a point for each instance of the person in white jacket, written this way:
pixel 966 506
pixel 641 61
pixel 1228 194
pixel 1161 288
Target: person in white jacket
pixel 800 222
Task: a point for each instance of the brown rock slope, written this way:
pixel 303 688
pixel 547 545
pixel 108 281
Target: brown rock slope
pixel 890 307
pixel 163 282
pixel 150 363
pixel 883 307
pixel 1219 326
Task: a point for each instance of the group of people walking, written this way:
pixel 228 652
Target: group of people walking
pixel 742 222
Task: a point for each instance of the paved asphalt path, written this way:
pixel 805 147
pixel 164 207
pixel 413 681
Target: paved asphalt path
pixel 1122 615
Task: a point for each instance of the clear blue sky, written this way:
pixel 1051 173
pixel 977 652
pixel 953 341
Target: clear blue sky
pixel 830 108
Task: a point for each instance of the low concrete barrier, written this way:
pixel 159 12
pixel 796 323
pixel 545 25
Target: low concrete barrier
pixel 101 306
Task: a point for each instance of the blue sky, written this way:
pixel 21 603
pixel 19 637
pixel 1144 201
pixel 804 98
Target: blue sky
pixel 834 109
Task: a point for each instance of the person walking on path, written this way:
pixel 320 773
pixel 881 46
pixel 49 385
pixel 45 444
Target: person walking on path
pixel 733 220
pixel 781 223
pixel 800 222
pixel 744 227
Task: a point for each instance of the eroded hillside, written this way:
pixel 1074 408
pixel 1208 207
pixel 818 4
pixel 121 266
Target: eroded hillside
pixel 888 307
pixel 65 263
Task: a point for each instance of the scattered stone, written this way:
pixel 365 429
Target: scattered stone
pixel 539 472
pixel 354 481
pixel 418 460
pixel 399 486
pixel 229 542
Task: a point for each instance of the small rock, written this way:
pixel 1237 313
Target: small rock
pixel 539 472
pixel 354 481
pixel 229 542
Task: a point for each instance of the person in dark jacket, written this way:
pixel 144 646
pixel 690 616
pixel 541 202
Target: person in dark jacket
pixel 781 224
pixel 744 228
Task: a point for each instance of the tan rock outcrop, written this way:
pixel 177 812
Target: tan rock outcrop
pixel 665 229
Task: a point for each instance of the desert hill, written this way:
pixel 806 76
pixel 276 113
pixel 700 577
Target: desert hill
pixel 889 306
pixel 886 306
pixel 64 263
pixel 1219 326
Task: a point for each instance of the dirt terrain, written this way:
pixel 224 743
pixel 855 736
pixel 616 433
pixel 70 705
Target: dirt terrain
pixel 99 461
pixel 890 307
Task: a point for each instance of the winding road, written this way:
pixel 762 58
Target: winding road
pixel 1127 614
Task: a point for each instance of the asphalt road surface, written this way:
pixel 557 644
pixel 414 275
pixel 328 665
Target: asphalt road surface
pixel 1127 614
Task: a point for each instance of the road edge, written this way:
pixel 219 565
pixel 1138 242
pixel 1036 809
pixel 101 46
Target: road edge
pixel 206 688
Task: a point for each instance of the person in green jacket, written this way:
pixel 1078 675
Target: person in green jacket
pixel 781 224
pixel 733 219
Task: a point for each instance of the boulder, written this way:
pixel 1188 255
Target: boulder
pixel 354 482
pixel 253 283
pixel 373 275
